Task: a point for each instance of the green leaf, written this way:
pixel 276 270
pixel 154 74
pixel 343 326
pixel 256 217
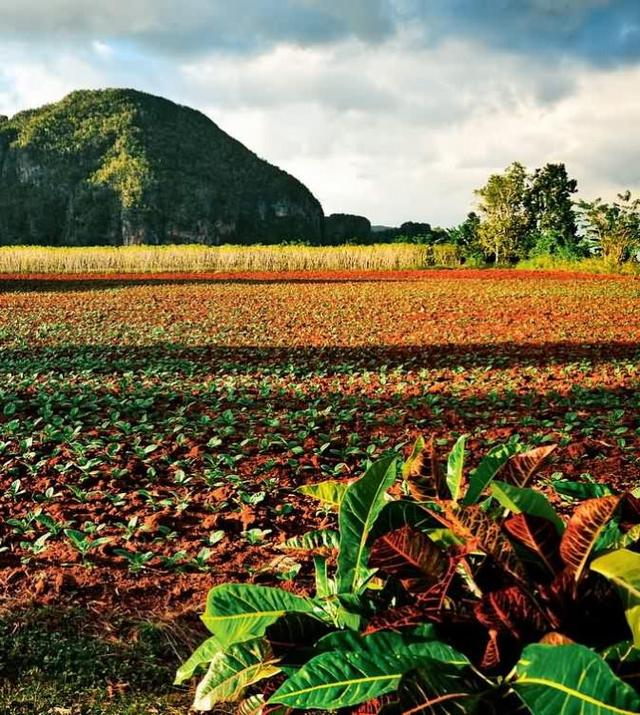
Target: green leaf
pixel 329 493
pixel 324 585
pixel 340 679
pixel 444 538
pixel 232 671
pixel 313 540
pixel 414 462
pixel 622 652
pixel 581 490
pixel 376 642
pixel 442 689
pixel 622 568
pixel 633 619
pixel 361 506
pixel 609 538
pixel 571 680
pixel 630 537
pixel 486 471
pixel 455 467
pixel 398 513
pixel 201 656
pixel 240 612
pixel 521 500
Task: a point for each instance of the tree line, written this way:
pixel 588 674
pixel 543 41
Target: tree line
pixel 522 215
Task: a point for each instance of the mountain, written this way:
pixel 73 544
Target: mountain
pixel 379 229
pixel 118 166
pixel 340 228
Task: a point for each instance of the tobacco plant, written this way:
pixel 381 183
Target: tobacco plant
pixel 442 591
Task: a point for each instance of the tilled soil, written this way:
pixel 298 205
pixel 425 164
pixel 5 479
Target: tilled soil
pixel 169 414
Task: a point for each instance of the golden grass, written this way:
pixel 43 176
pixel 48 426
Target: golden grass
pixel 195 258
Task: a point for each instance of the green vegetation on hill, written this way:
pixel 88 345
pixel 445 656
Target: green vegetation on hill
pixel 118 167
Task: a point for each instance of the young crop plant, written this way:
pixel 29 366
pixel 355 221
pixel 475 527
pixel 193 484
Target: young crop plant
pixel 83 544
pixel 136 560
pixel 443 590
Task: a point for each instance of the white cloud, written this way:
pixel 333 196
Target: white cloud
pixel 31 81
pixel 395 131
pixel 102 49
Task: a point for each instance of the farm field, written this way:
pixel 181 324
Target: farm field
pixel 153 431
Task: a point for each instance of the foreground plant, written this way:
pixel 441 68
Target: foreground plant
pixel 468 594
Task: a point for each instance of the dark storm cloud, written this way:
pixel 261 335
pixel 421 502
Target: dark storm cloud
pixel 601 31
pixel 200 25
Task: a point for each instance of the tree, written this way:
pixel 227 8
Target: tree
pixel 550 207
pixel 612 230
pixel 465 236
pixel 505 221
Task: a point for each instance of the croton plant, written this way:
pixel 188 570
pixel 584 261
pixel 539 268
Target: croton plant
pixel 443 590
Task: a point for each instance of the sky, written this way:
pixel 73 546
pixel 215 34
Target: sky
pixel 393 109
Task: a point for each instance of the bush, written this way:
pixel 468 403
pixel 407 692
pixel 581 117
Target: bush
pixel 462 589
pixel 551 243
pixel 444 254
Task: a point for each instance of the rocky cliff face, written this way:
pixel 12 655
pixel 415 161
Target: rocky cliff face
pixel 340 228
pixel 120 167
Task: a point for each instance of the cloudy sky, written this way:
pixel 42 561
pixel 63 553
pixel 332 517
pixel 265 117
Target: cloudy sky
pixel 395 109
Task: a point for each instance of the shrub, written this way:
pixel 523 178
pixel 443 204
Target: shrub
pixel 444 254
pixel 551 243
pixel 441 591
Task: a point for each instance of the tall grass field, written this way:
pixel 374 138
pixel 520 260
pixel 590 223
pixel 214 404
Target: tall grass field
pixel 197 258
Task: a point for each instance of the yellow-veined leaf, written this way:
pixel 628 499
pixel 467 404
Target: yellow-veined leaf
pixel 480 531
pixel 537 535
pixel 240 612
pixel 583 529
pixel 232 671
pixel 360 507
pixel 200 657
pixel 522 467
pixel 340 679
pixel 329 493
pixel 411 557
pixel 571 680
pixel 455 468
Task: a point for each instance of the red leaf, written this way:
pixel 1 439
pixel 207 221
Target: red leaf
pixel 374 707
pixel 555 638
pixel 479 530
pixel 491 655
pixel 511 611
pixel 538 535
pixel 630 509
pixel 522 467
pixel 582 531
pixel 424 480
pixel 411 557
